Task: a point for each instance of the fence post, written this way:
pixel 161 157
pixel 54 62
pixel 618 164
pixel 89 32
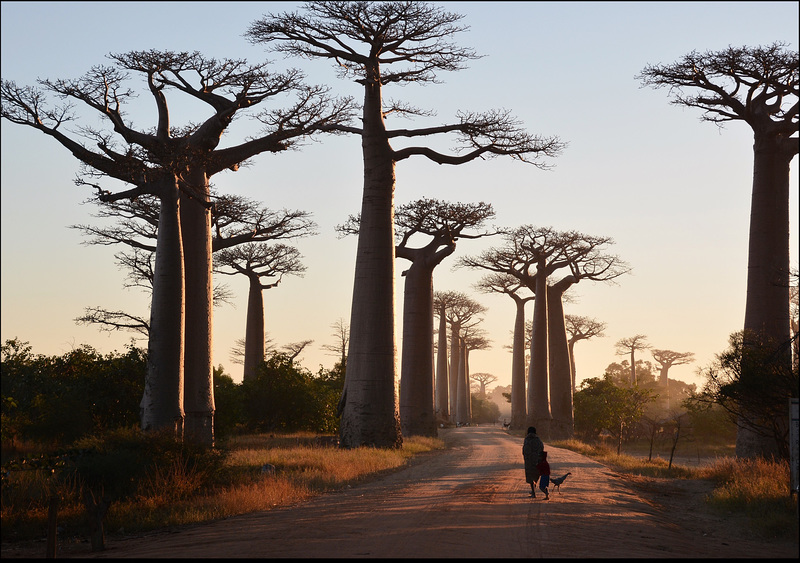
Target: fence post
pixel 52 528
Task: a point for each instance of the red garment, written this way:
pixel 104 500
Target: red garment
pixel 543 467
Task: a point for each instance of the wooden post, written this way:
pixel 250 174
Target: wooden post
pixel 52 528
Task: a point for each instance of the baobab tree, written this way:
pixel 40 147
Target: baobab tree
pixel 586 260
pixel 175 164
pixel 511 286
pixel 238 224
pixel 665 359
pixel 758 86
pixel 441 302
pixel 532 254
pixel 472 338
pixel 256 261
pixel 460 314
pixel 629 346
pixel 441 224
pixel 580 328
pixel 435 226
pixel 379 44
pixel 483 380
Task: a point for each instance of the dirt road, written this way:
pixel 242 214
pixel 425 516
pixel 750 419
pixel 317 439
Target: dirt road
pixel 472 501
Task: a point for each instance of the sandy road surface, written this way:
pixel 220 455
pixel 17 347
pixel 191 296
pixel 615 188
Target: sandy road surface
pixel 470 501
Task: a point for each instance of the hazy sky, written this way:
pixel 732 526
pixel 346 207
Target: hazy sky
pixel 673 192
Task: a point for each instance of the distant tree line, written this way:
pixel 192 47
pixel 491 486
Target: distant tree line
pixel 56 400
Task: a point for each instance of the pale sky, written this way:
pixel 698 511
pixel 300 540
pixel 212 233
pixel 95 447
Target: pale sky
pixel 673 192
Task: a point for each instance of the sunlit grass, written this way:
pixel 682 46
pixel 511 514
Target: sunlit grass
pixel 172 496
pixel 758 489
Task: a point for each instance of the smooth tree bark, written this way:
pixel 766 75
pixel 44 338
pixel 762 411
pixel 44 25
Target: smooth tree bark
pixel 440 224
pixel 580 328
pixel 437 225
pixel 162 405
pixel 377 44
pixel 532 254
pixel 162 401
pixel 510 285
pixel 630 346
pixel 236 221
pixel 199 312
pixel 461 315
pixel 586 261
pixel 257 261
pixel 472 339
pixel 442 394
pixel 462 386
pixel 759 86
pixel 665 359
pixel 561 408
pixel 188 156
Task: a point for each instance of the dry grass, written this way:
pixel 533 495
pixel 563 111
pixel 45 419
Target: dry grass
pixel 759 489
pixel 170 495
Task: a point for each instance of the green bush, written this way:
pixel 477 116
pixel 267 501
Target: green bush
pixel 285 397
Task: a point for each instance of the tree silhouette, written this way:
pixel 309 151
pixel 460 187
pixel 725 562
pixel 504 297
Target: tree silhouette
pixel 437 226
pixel 532 254
pixel 441 302
pixel 175 165
pixel 461 314
pixel 237 350
pixel 586 262
pixel 258 260
pixel 665 360
pixel 759 86
pixel 630 346
pixel 473 338
pixel 580 328
pixel 511 285
pixel 341 332
pixel 483 380
pixel 379 44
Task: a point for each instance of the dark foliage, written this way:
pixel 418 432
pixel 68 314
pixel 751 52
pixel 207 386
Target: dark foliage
pixel 59 399
pixel 286 397
pixel 753 382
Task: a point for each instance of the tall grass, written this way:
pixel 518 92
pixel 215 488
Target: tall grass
pixel 176 494
pixel 757 488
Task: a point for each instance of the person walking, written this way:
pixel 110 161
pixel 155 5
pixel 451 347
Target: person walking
pixel 544 474
pixel 532 448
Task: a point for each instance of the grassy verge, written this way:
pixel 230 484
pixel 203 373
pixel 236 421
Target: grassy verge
pixel 175 495
pixel 758 489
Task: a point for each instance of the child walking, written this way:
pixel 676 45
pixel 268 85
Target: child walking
pixel 544 474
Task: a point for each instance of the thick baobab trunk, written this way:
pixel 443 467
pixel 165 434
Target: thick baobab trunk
pixel 462 388
pixel 538 381
pixel 369 412
pixel 518 396
pixel 633 367
pixel 198 362
pixel 254 333
pixel 467 390
pixel 455 359
pixel 571 345
pixel 162 403
pixel 442 372
pixel 663 382
pixel 563 423
pixel 767 307
pixel 416 369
